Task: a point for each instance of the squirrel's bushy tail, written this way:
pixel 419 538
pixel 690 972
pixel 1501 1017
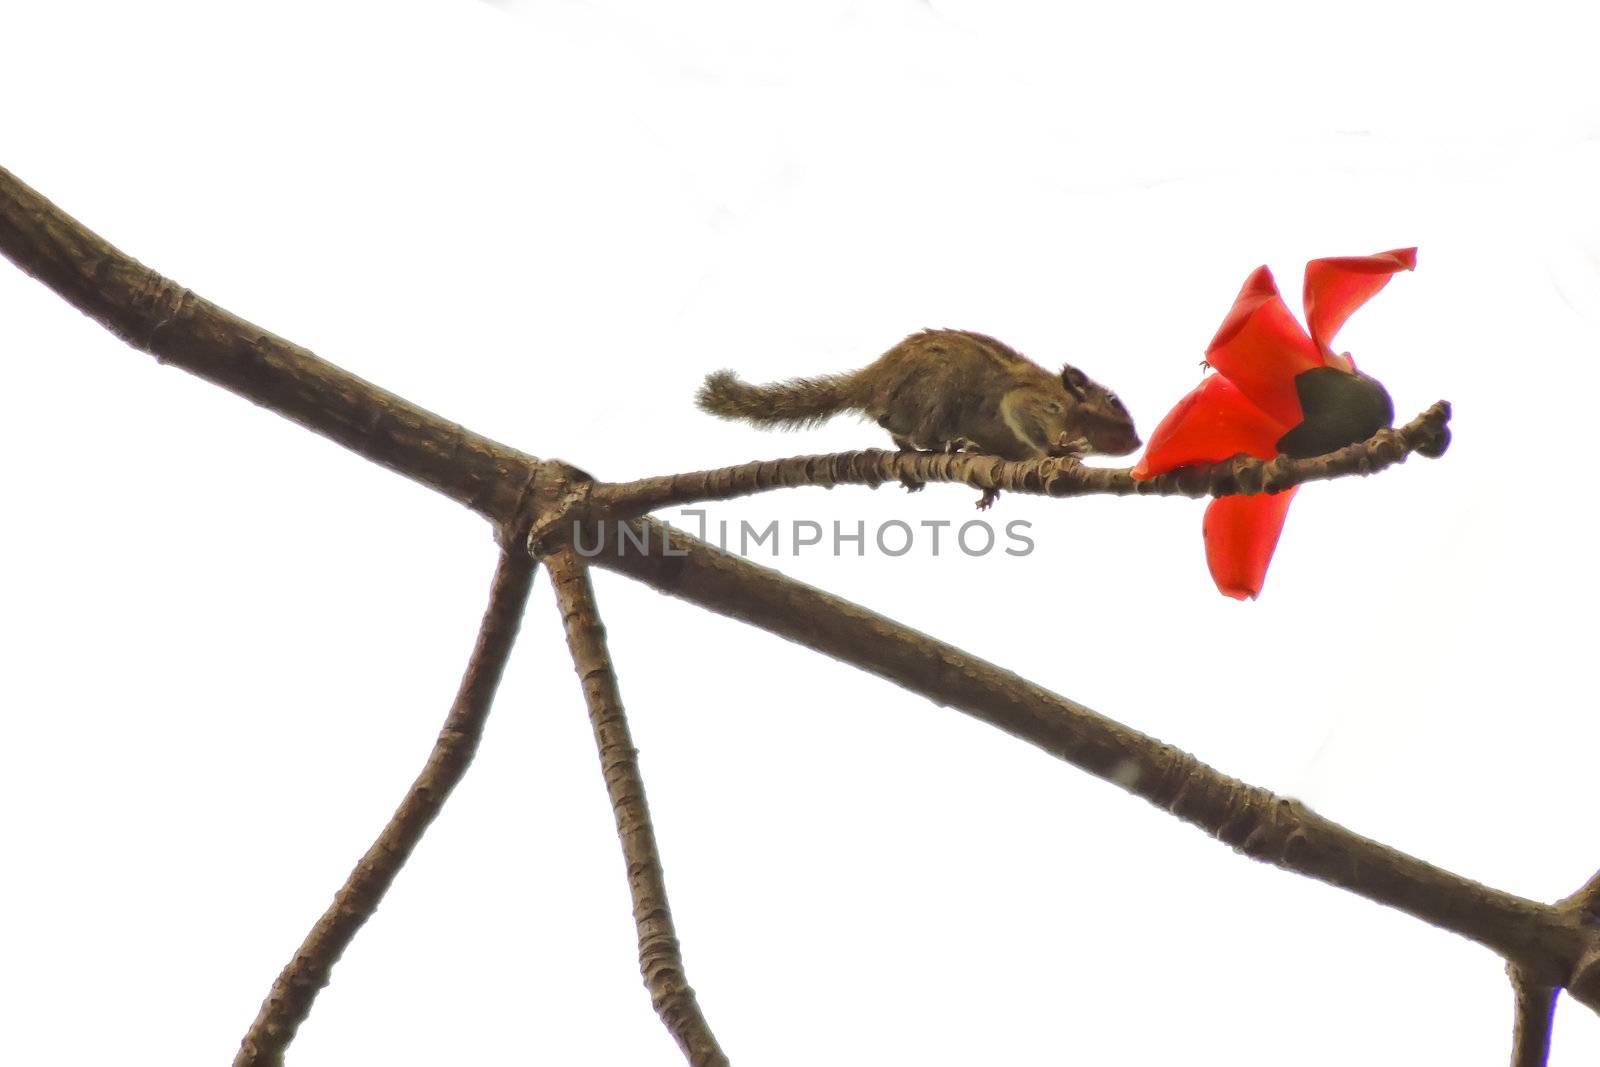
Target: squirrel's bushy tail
pixel 787 405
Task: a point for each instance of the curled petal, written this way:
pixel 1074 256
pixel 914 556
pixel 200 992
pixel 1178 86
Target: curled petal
pixel 1336 287
pixel 1262 348
pixel 1216 421
pixel 1241 533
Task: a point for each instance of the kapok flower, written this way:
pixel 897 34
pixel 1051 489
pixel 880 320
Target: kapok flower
pixel 1275 390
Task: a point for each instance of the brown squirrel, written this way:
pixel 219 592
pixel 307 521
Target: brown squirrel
pixel 945 391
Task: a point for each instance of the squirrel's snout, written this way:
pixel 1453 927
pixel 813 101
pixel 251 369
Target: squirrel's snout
pixel 1123 443
pixel 1120 444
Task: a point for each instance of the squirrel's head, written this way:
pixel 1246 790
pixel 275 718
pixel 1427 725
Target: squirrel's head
pixel 1097 415
pixel 1069 416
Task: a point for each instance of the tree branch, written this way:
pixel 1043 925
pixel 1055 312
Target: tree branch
pixel 1547 942
pixel 290 1000
pixel 660 959
pixel 157 315
pixel 1552 946
pixel 1428 434
pixel 1535 1012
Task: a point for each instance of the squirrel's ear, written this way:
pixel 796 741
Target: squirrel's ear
pixel 1074 380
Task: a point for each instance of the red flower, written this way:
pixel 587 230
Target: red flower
pixel 1276 390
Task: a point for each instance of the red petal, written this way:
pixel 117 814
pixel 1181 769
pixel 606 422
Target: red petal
pixel 1261 347
pixel 1240 533
pixel 1336 287
pixel 1214 422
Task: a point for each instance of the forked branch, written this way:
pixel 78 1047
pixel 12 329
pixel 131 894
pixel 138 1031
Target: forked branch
pixel 289 1002
pixel 660 958
pixel 1551 946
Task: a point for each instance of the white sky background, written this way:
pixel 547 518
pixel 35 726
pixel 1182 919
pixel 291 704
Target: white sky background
pixel 228 644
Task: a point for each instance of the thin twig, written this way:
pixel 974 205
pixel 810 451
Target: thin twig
pixel 1535 1013
pixel 1428 434
pixel 660 958
pixel 290 1000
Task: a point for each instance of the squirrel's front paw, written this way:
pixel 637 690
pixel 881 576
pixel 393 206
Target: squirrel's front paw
pixel 986 501
pixel 912 485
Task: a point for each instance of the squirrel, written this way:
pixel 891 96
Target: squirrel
pixel 946 391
